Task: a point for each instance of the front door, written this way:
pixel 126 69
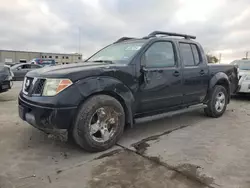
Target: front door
pixel 195 74
pixel 162 78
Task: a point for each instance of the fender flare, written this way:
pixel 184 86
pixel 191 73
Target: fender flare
pixel 111 86
pixel 220 78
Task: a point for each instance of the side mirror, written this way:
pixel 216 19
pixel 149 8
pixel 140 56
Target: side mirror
pixel 144 69
pixel 18 68
pixel 143 64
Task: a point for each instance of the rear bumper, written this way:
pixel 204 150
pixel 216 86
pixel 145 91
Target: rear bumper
pixel 5 85
pixel 47 119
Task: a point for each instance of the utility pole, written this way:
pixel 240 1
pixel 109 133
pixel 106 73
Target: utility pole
pixel 246 55
pixel 79 47
pixel 220 58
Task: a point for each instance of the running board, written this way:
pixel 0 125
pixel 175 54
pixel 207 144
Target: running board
pixel 170 114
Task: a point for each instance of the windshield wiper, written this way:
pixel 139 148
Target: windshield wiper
pixel 103 61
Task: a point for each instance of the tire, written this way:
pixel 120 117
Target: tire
pixel 90 110
pixel 212 110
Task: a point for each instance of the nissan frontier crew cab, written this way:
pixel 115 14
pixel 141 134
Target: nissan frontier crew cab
pixel 131 78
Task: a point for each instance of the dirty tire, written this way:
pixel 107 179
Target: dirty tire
pixel 211 109
pixel 81 131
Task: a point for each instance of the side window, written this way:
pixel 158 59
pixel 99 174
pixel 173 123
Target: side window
pixel 20 67
pixel 35 66
pixel 196 54
pixel 26 66
pixel 160 54
pixel 187 54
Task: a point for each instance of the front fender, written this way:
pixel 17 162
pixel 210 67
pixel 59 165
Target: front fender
pixel 108 85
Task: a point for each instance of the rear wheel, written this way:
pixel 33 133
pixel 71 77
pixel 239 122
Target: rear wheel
pixel 99 123
pixel 218 102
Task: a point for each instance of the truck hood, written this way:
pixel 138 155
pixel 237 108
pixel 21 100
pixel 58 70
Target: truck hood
pixel 76 71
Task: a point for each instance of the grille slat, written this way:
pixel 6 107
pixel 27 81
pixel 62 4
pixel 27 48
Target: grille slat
pixel 33 86
pixel 38 90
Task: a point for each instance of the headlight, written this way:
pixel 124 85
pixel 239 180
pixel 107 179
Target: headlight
pixel 247 78
pixel 55 86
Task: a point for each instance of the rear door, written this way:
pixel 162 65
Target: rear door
pixel 195 73
pixel 161 75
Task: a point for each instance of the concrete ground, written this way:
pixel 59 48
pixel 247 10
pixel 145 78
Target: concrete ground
pixel 187 150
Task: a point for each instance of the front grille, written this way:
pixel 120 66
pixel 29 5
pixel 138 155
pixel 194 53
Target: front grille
pixel 33 86
pixel 38 89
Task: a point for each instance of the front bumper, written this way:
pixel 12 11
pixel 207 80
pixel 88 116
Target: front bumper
pixel 244 87
pixel 45 118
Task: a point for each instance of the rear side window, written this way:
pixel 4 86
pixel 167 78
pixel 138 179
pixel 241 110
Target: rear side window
pixel 26 66
pixel 187 54
pixel 190 54
pixel 35 66
pixel 196 54
pixel 159 55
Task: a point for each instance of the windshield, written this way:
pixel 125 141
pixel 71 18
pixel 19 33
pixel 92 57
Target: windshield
pixel 118 52
pixel 243 65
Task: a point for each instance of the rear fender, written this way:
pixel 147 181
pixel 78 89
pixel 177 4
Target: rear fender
pixel 110 86
pixel 219 78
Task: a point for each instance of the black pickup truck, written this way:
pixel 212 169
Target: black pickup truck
pixel 131 78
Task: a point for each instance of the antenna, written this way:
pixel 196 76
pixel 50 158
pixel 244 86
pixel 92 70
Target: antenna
pixel 79 40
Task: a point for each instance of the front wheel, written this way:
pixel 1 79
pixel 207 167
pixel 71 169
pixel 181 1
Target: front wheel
pixel 99 123
pixel 217 102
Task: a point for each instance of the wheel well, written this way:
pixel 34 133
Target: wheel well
pixel 224 83
pixel 117 97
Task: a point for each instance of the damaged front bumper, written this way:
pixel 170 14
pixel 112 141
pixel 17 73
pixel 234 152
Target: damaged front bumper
pixel 56 121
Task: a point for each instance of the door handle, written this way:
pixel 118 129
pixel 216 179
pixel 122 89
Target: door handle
pixel 176 73
pixel 202 72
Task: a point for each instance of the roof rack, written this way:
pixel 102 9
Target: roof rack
pixel 123 39
pixel 155 33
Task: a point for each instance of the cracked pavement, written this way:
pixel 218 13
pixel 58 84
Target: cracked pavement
pixel 187 150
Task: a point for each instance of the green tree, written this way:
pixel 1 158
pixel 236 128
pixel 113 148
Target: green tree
pixel 212 59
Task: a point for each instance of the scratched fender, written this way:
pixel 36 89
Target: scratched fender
pixel 111 86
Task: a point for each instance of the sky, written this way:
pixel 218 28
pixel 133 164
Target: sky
pixel 85 26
